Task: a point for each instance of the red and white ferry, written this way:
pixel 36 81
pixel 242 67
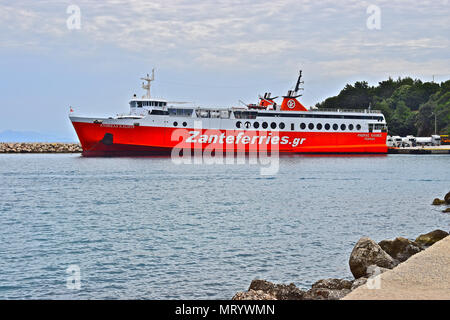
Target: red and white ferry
pixel 156 126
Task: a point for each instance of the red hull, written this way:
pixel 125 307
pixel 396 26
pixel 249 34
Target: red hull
pixel 99 140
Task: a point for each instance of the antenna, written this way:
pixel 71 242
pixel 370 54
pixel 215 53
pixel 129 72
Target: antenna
pixel 299 82
pixel 148 85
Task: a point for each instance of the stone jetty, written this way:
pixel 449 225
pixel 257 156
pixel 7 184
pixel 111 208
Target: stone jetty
pixel 424 277
pixel 41 147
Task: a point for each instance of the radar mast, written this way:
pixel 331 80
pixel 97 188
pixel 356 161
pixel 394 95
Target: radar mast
pixel 148 85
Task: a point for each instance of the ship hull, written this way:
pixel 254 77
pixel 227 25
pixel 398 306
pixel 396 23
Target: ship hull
pixel 99 140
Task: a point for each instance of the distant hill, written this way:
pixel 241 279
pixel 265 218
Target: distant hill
pixel 409 105
pixel 30 136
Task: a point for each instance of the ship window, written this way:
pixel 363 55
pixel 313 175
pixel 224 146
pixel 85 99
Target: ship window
pixel 273 125
pixel 245 114
pixel 238 124
pixel 302 126
pixel 311 126
pixel 327 126
pixel 184 124
pixel 335 126
pixel 292 126
pixel 319 126
pixel 139 104
pixel 175 124
pixel 343 127
pixel 282 125
pixel 358 127
pixel 265 125
pixel 133 104
pixel 247 124
pixel 256 125
pixel 350 127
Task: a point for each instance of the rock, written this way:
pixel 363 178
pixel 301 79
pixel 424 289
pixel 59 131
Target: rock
pixel 333 284
pixel 438 202
pixel 365 253
pixel 253 295
pixel 446 210
pixel 358 282
pixel 279 291
pixel 447 198
pixel 400 248
pixel 325 294
pixel 431 238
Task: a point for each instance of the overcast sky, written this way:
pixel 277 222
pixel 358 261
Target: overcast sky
pixel 208 52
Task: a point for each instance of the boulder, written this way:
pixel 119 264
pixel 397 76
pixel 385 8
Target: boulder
pixel 431 238
pixel 446 210
pixel 400 248
pixel 325 294
pixel 253 295
pixel 365 253
pixel 447 198
pixel 333 284
pixel 279 291
pixel 437 202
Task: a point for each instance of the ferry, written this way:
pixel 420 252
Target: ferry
pixel 156 127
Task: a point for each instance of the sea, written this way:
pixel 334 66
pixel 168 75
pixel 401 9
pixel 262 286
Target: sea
pixel 151 228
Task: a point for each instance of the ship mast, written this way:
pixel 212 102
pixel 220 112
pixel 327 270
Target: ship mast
pixel 149 80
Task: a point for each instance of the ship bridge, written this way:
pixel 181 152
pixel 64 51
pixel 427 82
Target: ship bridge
pixel 146 104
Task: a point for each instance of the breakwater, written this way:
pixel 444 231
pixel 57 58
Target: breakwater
pixel 367 262
pixel 40 147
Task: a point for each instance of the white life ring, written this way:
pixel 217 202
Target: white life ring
pixel 291 104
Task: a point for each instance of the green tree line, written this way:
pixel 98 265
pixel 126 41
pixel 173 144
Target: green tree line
pixel 409 105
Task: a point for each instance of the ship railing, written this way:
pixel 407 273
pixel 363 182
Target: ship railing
pixel 347 110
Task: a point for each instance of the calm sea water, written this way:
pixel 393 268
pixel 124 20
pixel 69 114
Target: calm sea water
pixel 145 228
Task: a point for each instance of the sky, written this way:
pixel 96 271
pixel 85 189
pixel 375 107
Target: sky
pixel 212 53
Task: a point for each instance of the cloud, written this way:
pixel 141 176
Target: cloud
pixel 242 34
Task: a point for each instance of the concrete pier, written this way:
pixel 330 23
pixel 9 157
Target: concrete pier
pixel 444 149
pixel 424 276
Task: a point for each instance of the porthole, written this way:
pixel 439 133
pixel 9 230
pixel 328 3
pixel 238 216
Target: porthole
pixel 256 125
pixel 302 126
pixel 247 124
pixel 238 124
pixel 184 124
pixel 175 124
pixel 335 126
pixel 343 127
pixel 319 126
pixel 350 127
pixel 358 127
pixel 282 125
pixel 327 126
pixel 265 125
pixel 311 126
pixel 273 125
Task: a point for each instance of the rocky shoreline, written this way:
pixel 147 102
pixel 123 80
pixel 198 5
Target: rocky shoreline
pixel 367 261
pixel 39 147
